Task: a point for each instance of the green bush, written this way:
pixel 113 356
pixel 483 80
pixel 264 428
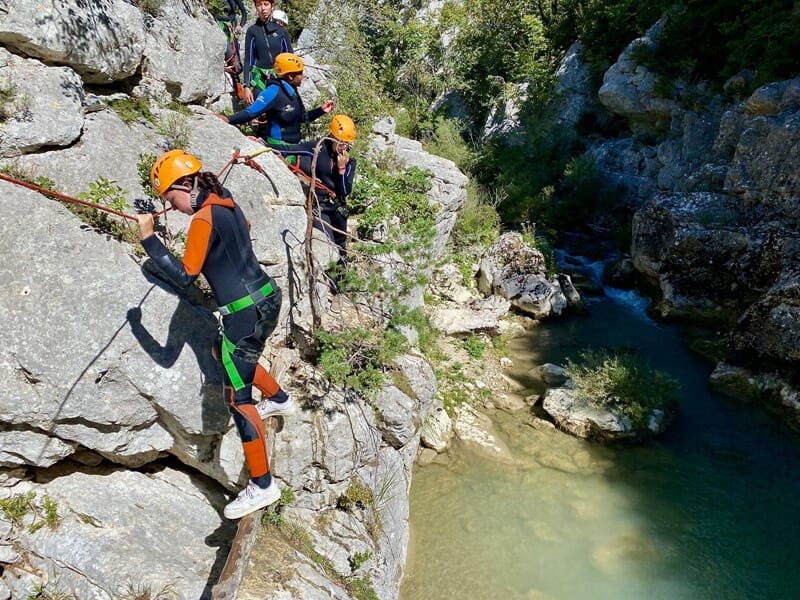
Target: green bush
pixel 623 383
pixel 359 358
pixel 131 109
pixel 478 224
pixel 474 345
pixel 736 34
pixel 7 94
pixel 150 7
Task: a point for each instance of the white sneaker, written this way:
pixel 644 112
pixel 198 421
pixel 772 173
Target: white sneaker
pixel 251 499
pixel 270 408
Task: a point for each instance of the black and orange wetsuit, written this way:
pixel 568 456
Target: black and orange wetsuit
pixel 218 246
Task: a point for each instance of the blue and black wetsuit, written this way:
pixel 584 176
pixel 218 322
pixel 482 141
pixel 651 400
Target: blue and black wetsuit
pixel 218 246
pixel 262 43
pixel 331 189
pixel 280 104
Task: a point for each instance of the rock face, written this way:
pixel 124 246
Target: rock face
pixel 40 92
pixel 628 87
pixel 448 185
pixel 715 190
pixel 109 392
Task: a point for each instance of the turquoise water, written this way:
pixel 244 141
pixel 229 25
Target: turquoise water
pixel 708 510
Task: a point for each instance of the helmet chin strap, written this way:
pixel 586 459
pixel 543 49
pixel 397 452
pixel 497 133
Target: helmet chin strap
pixel 193 194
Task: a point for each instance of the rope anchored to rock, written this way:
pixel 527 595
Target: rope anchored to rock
pixel 73 200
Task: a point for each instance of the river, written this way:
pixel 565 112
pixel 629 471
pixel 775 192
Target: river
pixel 707 510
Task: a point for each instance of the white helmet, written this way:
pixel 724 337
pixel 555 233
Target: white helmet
pixel 280 17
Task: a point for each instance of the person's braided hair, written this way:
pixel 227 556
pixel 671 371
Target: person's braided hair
pixel 207 181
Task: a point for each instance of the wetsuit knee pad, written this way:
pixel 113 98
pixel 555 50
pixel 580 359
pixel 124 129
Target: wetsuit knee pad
pixel 245 417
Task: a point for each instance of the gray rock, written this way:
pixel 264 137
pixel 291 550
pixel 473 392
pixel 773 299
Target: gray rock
pixel 482 314
pixel 628 87
pixel 584 420
pixel 102 40
pixel 32 448
pixel 396 416
pixel 703 260
pixel 448 184
pixel 504 116
pixel 108 517
pixel 437 430
pixel 47 106
pixel 477 430
pixel 516 271
pixel 185 51
pixel 550 374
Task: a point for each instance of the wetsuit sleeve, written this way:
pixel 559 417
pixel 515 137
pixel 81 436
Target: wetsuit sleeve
pixel 286 41
pixel 170 266
pixel 249 59
pixel 197 242
pixel 260 105
pixel 344 181
pixel 314 114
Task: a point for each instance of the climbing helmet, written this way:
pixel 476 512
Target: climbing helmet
pixel 280 17
pixel 343 129
pixel 172 166
pixel 286 63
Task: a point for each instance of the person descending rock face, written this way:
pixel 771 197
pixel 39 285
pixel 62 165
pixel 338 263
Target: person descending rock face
pixel 263 42
pixel 218 246
pixel 280 18
pixel 334 174
pixel 227 20
pixel 227 16
pixel 280 105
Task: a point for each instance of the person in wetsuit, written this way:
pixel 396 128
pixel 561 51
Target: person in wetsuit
pixel 334 173
pixel 227 20
pixel 263 42
pixel 218 246
pixel 279 106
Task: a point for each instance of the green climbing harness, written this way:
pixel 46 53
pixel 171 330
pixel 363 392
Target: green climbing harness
pixel 228 347
pixel 259 78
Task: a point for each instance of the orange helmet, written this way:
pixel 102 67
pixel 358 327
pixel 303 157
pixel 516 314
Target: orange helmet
pixel 287 62
pixel 172 166
pixel 343 129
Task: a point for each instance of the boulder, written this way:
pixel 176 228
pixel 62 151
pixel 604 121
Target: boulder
pixel 628 87
pixel 481 314
pixel 102 40
pixel 47 109
pixel 587 420
pixel 516 271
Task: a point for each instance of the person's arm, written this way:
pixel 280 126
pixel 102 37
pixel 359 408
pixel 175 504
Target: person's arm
pixel 301 149
pixel 182 274
pixel 258 107
pixel 323 109
pixel 345 176
pixel 286 41
pixel 249 59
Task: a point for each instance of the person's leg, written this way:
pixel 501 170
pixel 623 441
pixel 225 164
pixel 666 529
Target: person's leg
pixel 240 362
pixel 339 221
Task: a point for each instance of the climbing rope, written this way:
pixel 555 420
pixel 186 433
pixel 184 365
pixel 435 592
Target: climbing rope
pixel 72 200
